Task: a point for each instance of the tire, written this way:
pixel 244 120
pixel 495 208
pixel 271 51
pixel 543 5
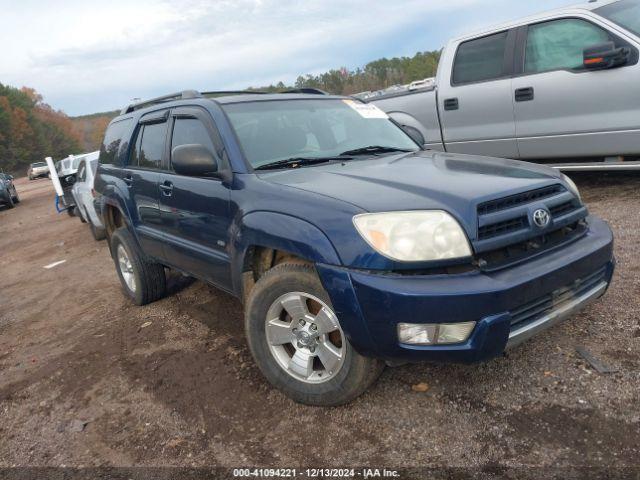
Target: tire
pixel 292 282
pixel 148 281
pixel 10 203
pixel 16 199
pixel 97 232
pixel 71 211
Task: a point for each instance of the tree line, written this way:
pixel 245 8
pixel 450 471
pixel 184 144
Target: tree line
pixel 31 130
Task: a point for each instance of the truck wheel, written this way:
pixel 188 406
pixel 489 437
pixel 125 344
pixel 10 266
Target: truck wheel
pixel 142 280
pixel 10 203
pixel 297 342
pixel 16 199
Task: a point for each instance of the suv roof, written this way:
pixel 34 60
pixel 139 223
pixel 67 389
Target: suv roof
pixel 228 97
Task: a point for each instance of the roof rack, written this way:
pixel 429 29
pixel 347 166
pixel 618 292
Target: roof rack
pixel 184 95
pixel 189 94
pixel 233 92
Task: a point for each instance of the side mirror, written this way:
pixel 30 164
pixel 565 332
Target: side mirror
pixel 604 56
pixel 414 133
pixel 193 160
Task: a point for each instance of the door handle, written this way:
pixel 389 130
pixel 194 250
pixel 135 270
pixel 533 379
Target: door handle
pixel 524 94
pixel 128 179
pixel 167 188
pixel 451 104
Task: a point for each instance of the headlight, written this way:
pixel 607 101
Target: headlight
pixel 418 236
pixel 572 186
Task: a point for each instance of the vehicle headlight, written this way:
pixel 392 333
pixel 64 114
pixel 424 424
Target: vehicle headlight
pixel 572 186
pixel 418 236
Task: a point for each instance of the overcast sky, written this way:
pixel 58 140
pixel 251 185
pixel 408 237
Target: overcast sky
pixel 87 56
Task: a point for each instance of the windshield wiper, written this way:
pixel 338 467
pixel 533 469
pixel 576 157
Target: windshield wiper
pixel 373 149
pixel 296 162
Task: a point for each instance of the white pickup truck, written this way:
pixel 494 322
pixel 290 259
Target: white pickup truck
pixel 561 88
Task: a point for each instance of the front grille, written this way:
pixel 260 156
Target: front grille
pixel 519 199
pixel 501 228
pixel 506 232
pixel 561 209
pixel 544 305
pixel 518 252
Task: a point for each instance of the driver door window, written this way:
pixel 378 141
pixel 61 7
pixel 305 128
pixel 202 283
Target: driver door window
pixel 559 44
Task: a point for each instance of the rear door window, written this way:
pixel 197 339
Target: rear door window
pixel 149 146
pixel 481 59
pixel 560 44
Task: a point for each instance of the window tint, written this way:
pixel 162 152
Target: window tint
pixel 188 131
pixel 480 59
pixel 560 44
pixel 113 140
pixel 149 146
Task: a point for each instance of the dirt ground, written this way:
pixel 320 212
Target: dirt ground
pixel 88 379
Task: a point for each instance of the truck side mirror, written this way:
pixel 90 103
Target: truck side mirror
pixel 414 133
pixel 193 160
pixel 604 56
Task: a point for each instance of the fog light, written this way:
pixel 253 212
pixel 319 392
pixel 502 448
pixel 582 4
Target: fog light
pixel 434 333
pixel 455 332
pixel 413 334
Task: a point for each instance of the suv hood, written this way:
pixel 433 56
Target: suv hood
pixel 422 180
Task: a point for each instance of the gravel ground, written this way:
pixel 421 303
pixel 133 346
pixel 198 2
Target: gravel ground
pixel 87 379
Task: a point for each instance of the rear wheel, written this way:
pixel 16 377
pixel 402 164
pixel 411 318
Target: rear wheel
pixel 298 342
pixel 16 199
pixel 143 281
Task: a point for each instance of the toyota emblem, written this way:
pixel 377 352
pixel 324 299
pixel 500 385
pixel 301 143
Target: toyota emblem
pixel 541 218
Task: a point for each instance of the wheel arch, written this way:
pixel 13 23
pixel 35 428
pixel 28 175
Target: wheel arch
pixel 265 239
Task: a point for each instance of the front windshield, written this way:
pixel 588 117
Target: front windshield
pixel 270 131
pixel 625 13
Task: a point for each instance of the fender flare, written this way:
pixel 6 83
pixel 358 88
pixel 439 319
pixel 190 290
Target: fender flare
pixel 113 199
pixel 280 232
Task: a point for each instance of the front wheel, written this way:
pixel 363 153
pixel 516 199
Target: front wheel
pixel 298 342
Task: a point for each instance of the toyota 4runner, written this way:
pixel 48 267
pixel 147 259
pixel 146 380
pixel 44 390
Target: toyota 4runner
pixel 348 243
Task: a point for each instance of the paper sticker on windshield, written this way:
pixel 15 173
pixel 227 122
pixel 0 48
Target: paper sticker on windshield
pixel 366 110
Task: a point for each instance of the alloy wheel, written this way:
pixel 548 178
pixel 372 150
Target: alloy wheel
pixel 305 338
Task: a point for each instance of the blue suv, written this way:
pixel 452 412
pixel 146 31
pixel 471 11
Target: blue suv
pixel 350 245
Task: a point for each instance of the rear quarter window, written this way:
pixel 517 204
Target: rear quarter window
pixel 116 142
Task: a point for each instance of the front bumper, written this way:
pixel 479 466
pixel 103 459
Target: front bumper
pixel 370 305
